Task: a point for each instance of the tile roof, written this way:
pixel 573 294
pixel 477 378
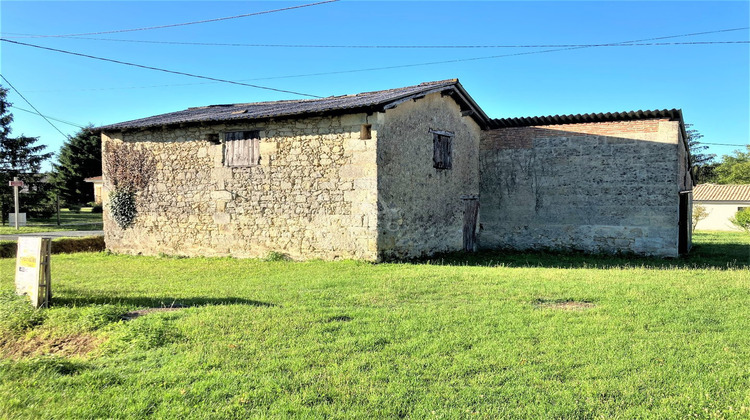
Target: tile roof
pixel 714 192
pixel 672 114
pixel 366 101
pixel 94 179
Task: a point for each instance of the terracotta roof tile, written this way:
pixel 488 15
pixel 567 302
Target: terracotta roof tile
pixel 714 192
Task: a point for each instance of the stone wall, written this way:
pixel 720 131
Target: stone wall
pixel 420 207
pixel 597 187
pixel 313 195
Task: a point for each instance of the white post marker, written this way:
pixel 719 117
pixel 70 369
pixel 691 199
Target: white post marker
pixel 15 184
pixel 33 269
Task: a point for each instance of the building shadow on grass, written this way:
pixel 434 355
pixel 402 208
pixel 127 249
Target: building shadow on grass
pixel 75 297
pixel 710 256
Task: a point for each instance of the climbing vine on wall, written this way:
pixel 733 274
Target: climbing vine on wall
pixel 129 169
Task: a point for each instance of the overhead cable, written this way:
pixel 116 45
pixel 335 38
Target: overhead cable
pixel 160 69
pixel 182 24
pixel 32 106
pixel 47 116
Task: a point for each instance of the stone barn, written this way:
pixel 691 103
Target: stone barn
pixel 369 176
pixel 403 173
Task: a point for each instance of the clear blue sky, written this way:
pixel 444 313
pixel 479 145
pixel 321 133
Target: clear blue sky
pixel 710 83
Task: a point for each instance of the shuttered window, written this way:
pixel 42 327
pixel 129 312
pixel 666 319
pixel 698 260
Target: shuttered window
pixel 242 148
pixel 442 146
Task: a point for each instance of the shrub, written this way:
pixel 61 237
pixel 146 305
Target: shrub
pixel 741 219
pixel 60 246
pixel 122 206
pixel 75 208
pixel 84 244
pixel 276 256
pixel 97 208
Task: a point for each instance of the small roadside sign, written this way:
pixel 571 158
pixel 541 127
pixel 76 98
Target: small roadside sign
pixel 15 183
pixel 33 269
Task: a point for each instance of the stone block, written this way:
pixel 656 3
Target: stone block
pixel 221 195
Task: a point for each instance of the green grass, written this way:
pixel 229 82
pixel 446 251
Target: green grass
pixel 69 220
pixel 490 336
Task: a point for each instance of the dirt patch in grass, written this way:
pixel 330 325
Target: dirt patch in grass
pixel 67 346
pixel 141 312
pixel 564 305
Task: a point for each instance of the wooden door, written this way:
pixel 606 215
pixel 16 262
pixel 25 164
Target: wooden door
pixel 684 224
pixel 471 214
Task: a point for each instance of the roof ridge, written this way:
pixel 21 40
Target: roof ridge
pixel 373 92
pixel 674 113
pixel 293 107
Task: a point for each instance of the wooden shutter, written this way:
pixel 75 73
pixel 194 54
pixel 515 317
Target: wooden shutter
pixel 242 148
pixel 442 147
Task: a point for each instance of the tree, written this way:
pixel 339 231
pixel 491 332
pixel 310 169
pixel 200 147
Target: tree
pixel 699 213
pixel 703 163
pixel 80 157
pixel 21 157
pixel 735 168
pixel 742 220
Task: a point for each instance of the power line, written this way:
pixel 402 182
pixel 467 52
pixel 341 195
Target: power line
pixel 333 46
pixel 725 144
pixel 626 43
pixel 51 118
pixel 160 69
pixel 182 24
pixel 32 106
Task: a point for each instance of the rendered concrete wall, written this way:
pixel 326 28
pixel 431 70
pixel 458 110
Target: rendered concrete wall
pixel 598 187
pixel 719 213
pixel 420 210
pixel 312 196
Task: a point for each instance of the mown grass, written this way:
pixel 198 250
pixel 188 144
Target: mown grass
pixel 492 336
pixel 69 220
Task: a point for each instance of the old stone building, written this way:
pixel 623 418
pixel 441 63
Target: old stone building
pixel 402 173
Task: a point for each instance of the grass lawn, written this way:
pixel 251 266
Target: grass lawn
pixel 491 336
pixel 69 220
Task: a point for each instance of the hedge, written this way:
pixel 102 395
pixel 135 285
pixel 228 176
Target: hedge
pixel 60 246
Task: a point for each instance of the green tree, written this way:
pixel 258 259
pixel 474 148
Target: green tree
pixel 734 168
pixel 703 163
pixel 21 157
pixel 80 157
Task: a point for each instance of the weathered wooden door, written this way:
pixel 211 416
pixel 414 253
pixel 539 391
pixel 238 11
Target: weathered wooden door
pixel 471 214
pixel 684 224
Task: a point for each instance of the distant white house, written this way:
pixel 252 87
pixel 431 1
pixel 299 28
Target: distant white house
pixel 98 182
pixel 722 202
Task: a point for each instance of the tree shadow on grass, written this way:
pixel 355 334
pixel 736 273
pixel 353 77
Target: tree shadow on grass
pixel 78 298
pixel 705 255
